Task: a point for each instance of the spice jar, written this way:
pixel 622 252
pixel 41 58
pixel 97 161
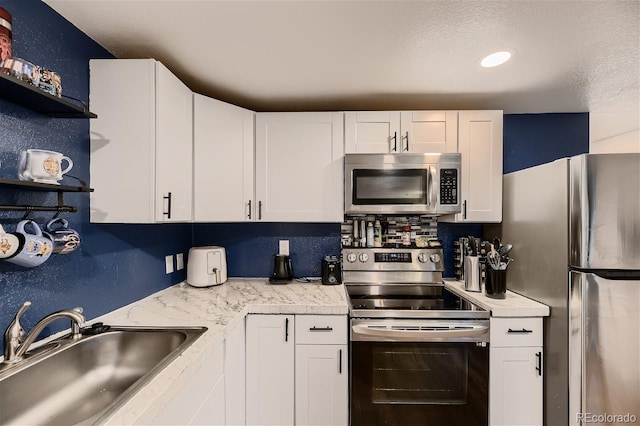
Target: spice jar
pixel 406 235
pixel 5 34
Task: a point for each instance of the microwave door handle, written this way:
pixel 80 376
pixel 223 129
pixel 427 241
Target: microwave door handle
pixel 431 193
pixel 413 335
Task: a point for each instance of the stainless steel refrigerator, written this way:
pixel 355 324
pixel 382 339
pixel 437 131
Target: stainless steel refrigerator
pixel 575 227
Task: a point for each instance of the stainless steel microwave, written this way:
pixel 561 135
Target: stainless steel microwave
pixel 402 184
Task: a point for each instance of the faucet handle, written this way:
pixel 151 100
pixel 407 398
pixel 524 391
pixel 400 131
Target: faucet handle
pixel 14 334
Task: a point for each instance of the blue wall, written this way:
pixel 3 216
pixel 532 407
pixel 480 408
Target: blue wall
pixel 118 264
pixel 533 139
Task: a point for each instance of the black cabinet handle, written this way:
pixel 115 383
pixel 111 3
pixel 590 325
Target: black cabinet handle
pixel 407 138
pixel 168 212
pixel 395 141
pixel 249 215
pixel 286 329
pixel 314 328
pixel 259 210
pixel 523 331
pixel 464 209
pixel 539 363
pixel 340 361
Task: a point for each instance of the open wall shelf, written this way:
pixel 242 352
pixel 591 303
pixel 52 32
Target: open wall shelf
pixel 47 187
pixel 26 95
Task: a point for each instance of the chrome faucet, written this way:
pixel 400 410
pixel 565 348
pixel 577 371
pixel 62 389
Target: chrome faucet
pixel 15 342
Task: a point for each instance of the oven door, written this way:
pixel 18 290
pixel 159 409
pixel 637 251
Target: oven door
pixel 419 372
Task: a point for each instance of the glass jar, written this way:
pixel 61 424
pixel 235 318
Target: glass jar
pixel 406 235
pixel 5 34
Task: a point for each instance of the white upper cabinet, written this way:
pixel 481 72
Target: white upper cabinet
pixel 141 143
pixel 480 143
pixel 299 167
pixel 223 161
pixel 429 131
pixel 371 131
pixel 401 131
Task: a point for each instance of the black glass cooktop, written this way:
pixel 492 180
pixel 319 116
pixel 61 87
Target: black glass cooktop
pixel 438 301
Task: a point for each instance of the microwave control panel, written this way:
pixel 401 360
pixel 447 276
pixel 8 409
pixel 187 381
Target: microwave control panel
pixel 448 186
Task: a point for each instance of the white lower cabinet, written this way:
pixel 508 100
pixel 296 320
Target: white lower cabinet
pixel 270 379
pixel 515 368
pixel 234 373
pixel 200 400
pixel 297 370
pixel 321 396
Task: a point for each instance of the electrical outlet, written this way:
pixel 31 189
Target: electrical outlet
pixel 168 260
pixel 180 261
pixel 283 247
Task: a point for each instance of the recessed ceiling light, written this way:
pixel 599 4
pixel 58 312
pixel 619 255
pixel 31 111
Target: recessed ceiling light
pixel 495 59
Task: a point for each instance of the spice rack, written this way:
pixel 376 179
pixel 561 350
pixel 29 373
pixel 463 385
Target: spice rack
pixel 26 95
pixel 43 187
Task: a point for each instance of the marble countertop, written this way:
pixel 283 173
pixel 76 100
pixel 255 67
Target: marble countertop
pixel 513 305
pixel 219 308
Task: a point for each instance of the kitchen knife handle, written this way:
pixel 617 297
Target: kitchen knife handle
pixel 168 212
pixel 395 141
pixel 539 363
pixel 249 215
pixel 407 138
pixel 286 329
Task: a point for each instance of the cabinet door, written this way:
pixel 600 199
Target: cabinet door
pixel 299 167
pixel 480 143
pixel 372 132
pixel 429 131
pixel 321 385
pixel 122 149
pixel 174 148
pixel 199 400
pixel 223 161
pixel 234 373
pixel 270 370
pixel 515 386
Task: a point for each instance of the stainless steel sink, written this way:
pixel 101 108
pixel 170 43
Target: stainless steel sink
pixel 83 381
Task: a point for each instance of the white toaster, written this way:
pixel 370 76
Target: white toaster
pixel 206 266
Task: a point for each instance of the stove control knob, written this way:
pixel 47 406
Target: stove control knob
pixel 351 257
pixel 422 258
pixel 435 258
pixel 364 257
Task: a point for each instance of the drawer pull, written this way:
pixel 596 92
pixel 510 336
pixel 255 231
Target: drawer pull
pixel 523 331
pixel 539 363
pixel 314 328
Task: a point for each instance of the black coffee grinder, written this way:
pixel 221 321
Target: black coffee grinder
pixel 331 270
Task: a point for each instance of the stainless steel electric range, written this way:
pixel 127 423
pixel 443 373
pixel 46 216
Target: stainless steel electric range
pixel 419 353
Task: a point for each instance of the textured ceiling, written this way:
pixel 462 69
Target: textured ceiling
pixel 569 56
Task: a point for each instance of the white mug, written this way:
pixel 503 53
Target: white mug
pixel 42 166
pixel 10 243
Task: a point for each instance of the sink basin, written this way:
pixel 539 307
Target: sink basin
pixel 83 381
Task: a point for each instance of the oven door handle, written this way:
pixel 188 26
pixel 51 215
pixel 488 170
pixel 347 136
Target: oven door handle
pixel 423 334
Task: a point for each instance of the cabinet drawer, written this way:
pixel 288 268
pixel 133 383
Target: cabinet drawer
pixel 516 332
pixel 321 329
